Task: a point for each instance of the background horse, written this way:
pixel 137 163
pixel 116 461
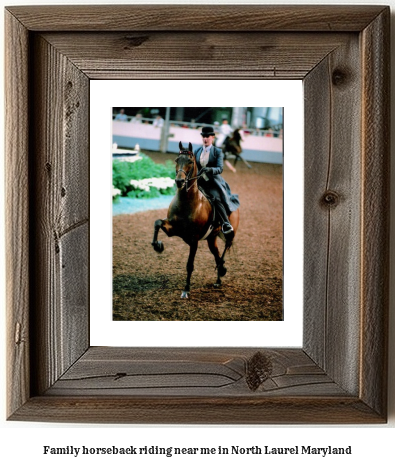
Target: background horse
pixel 191 217
pixel 232 146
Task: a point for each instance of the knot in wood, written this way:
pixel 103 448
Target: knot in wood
pixel 340 77
pixel 259 369
pixel 135 41
pixel 330 199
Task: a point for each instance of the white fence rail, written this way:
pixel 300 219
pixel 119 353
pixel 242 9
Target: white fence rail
pixel 257 146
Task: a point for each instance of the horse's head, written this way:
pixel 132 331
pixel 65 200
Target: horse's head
pixel 185 166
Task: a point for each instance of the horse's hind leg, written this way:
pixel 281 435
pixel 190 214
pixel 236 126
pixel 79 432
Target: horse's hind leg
pixel 239 157
pixel 190 266
pixel 219 260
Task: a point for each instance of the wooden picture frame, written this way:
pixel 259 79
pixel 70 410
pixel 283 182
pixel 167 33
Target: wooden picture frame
pixel 340 374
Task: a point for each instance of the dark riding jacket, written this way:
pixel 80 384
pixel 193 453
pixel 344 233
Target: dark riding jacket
pixel 217 186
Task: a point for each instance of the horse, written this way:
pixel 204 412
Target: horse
pixel 190 216
pixel 232 146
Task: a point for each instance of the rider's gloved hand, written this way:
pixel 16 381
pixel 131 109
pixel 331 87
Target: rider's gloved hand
pixel 206 170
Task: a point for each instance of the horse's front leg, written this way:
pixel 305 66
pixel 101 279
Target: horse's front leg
pixel 190 265
pixel 166 227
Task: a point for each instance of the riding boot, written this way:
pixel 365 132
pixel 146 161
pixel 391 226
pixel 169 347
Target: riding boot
pixel 226 226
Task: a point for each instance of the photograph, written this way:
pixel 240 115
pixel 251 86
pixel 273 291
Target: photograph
pixel 197 213
pixel 127 202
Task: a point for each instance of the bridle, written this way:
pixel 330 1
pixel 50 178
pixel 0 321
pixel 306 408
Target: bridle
pixel 187 176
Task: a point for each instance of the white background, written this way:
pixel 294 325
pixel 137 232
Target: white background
pixel 21 443
pixel 104 332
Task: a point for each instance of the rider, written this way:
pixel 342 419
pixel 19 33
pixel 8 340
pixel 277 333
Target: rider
pixel 209 161
pixel 224 132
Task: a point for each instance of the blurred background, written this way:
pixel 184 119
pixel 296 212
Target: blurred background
pixel 161 129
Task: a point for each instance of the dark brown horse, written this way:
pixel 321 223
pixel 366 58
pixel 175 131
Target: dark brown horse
pixel 232 146
pixel 191 217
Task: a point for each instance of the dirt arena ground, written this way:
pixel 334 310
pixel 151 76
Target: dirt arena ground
pixel 147 285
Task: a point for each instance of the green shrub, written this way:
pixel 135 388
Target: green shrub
pixel 148 178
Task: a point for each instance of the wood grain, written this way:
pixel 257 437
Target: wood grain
pixel 186 55
pixel 191 410
pixel 205 372
pixel 339 376
pixel 333 214
pixel 376 211
pixel 60 185
pixel 17 214
pixel 193 17
pixel 317 158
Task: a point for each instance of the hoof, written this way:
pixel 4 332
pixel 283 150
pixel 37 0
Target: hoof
pixel 158 246
pixel 217 284
pixel 222 271
pixel 185 294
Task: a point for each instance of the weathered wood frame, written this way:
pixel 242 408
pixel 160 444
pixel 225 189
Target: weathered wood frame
pixel 340 374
